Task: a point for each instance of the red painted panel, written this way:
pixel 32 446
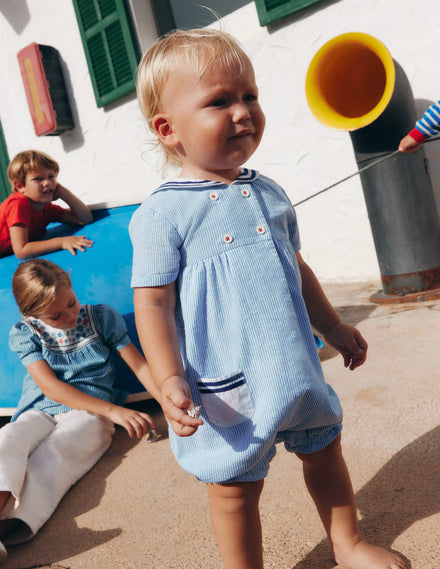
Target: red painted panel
pixel 37 89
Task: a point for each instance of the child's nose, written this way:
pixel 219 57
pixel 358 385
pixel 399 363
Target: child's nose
pixel 241 112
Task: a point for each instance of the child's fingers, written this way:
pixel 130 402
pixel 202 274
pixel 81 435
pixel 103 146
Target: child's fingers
pixel 137 426
pixel 147 418
pixel 185 430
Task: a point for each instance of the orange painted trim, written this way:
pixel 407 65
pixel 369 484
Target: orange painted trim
pixel 37 90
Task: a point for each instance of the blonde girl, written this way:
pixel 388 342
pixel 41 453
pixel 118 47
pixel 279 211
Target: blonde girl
pixel 224 303
pixel 65 418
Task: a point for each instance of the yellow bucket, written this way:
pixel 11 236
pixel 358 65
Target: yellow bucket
pixel 350 81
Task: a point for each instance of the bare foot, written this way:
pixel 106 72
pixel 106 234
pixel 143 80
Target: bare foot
pixel 366 556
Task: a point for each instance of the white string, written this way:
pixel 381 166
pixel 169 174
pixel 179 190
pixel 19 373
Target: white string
pixel 359 171
pixel 347 177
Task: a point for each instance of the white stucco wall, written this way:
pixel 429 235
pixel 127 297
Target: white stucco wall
pixel 106 158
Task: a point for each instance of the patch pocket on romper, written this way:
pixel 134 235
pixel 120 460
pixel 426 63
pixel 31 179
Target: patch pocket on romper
pixel 226 400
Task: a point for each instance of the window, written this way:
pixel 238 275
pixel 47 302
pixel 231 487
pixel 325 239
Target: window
pixel 111 51
pixel 5 186
pixel 271 10
pixel 187 14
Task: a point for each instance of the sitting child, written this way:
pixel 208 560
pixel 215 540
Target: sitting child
pixel 25 214
pixel 64 419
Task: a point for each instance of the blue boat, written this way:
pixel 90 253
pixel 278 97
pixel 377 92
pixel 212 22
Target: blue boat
pixel 99 275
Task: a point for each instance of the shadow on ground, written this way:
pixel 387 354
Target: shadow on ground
pixel 405 490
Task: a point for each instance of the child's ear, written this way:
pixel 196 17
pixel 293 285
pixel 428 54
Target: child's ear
pixel 165 131
pixel 18 187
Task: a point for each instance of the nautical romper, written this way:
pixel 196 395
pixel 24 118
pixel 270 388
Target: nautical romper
pixel 245 336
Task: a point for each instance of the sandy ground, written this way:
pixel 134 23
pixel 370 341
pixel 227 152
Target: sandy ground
pixel 138 510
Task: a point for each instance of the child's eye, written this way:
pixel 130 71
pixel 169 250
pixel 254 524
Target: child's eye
pixel 218 103
pixel 56 317
pixel 250 97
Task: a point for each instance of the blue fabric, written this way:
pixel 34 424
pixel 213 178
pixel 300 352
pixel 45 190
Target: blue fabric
pixel 245 336
pixel 82 356
pixel 429 124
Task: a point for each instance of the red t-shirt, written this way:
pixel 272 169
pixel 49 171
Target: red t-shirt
pixel 17 209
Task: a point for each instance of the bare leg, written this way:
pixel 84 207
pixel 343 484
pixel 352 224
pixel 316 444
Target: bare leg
pixel 328 482
pixel 236 523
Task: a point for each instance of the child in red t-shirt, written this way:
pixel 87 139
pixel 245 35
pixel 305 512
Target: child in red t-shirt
pixel 25 214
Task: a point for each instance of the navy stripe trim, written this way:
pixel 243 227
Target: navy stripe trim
pixel 222 382
pixel 247 175
pixel 223 389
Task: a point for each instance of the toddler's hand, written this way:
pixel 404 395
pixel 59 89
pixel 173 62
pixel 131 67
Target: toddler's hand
pixel 350 344
pixel 75 242
pixel 408 144
pixel 134 422
pixel 175 401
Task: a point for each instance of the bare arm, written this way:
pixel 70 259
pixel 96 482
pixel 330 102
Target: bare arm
pixel 343 337
pixel 23 248
pixel 79 213
pixel 138 365
pixel 134 422
pixel 156 326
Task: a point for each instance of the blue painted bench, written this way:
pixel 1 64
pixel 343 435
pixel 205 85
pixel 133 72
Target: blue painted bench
pixel 100 275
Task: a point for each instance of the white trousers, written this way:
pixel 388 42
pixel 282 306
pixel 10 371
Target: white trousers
pixel 41 457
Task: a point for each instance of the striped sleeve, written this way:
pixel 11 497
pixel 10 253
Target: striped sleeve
pixel 24 341
pixel 112 327
pixel 156 248
pixel 429 124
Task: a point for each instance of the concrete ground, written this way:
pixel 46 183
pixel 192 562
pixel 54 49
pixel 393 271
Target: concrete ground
pixel 138 510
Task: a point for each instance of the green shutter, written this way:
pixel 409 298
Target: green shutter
pixel 5 186
pixel 271 10
pixel 111 51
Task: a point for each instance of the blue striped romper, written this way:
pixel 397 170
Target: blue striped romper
pixel 244 332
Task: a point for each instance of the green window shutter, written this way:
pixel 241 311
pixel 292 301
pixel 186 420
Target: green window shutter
pixel 5 186
pixel 111 51
pixel 271 10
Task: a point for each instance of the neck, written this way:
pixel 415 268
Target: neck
pixel 34 205
pixel 225 176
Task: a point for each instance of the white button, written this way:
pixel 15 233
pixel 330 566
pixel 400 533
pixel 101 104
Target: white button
pixel 213 196
pixel 260 230
pixel 228 238
pixel 245 193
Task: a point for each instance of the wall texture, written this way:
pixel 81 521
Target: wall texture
pixel 108 156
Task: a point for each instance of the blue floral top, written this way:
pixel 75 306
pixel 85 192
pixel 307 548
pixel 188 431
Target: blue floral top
pixel 82 356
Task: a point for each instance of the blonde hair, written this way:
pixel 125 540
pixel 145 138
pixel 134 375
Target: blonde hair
pixel 36 283
pixel 29 161
pixel 198 47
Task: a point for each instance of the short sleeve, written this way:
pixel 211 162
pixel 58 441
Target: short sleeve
pixel 294 232
pixel 156 248
pixel 24 341
pixel 18 211
pixel 292 223
pixel 112 327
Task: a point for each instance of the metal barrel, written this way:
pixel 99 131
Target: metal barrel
pixel 354 84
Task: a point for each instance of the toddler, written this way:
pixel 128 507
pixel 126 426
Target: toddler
pixel 64 420
pixel 224 304
pixel 25 214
